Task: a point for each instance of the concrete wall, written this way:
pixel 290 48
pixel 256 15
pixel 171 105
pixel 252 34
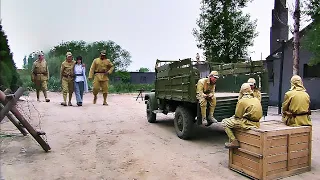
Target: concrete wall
pixel 311 84
pixel 142 77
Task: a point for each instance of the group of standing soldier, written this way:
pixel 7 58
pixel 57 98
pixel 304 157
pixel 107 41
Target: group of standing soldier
pixel 73 77
pixel 295 107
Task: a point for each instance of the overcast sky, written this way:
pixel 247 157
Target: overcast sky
pixel 148 29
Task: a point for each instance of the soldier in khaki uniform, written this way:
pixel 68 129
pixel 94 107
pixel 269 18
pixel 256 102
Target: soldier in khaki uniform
pixel 100 69
pixel 40 76
pixel 67 77
pixel 255 90
pixel 205 94
pixel 295 106
pixel 247 115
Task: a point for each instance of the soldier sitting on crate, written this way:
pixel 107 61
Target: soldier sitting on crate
pixel 256 91
pixel 295 106
pixel 247 115
pixel 205 94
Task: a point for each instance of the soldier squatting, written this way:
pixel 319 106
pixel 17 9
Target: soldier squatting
pixel 248 112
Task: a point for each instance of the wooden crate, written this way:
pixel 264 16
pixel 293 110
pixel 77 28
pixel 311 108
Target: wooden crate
pixel 272 151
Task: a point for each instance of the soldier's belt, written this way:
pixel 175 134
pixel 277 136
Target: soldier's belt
pixel 40 73
pixel 78 74
pixel 289 114
pixel 67 76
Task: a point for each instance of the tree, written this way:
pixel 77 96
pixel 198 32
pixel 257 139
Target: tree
pixel 9 77
pixel 224 32
pixel 24 61
pixel 142 69
pixel 89 51
pixel 312 38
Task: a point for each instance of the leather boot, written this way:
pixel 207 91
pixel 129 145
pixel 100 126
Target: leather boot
pixel 38 95
pixel 105 99
pixel 46 96
pixel 233 144
pixel 95 99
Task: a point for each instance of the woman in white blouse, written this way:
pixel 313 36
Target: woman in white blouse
pixel 80 81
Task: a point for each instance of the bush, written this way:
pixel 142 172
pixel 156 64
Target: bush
pixel 54 85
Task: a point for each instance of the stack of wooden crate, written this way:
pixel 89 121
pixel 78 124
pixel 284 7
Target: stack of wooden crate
pixel 272 151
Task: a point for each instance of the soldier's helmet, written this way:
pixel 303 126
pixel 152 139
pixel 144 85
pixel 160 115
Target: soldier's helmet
pixel 296 78
pixel 251 81
pixel 40 53
pixel 68 54
pixel 103 52
pixel 245 88
pixel 214 74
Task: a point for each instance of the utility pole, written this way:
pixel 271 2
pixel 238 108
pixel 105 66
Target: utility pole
pixel 296 38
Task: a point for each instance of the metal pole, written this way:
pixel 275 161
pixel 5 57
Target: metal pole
pixel 281 74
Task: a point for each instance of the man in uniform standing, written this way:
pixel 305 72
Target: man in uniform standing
pixel 295 106
pixel 67 77
pixel 256 92
pixel 100 69
pixel 205 94
pixel 40 76
pixel 247 115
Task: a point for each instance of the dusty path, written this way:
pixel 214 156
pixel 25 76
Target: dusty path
pixel 116 142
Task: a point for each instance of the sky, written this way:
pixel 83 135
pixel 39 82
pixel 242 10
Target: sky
pixel 148 29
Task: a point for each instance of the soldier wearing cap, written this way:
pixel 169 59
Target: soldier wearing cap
pixel 255 90
pixel 40 76
pixel 67 77
pixel 205 95
pixel 247 115
pixel 295 106
pixel 101 68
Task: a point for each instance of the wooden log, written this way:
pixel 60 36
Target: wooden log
pixel 25 123
pixel 14 121
pixel 10 103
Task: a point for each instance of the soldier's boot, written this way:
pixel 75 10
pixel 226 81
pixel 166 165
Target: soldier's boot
pixel 70 97
pixel 46 96
pixel 105 99
pixel 64 103
pixel 211 119
pixel 95 99
pixel 233 144
pixel 204 116
pixel 38 95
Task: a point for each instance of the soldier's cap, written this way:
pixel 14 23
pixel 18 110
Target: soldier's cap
pixel 245 88
pixel 214 74
pixel 251 81
pixel 295 78
pixel 69 54
pixel 103 52
pixel 40 53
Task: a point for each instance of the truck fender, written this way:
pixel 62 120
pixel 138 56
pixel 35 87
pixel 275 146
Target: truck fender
pixel 152 97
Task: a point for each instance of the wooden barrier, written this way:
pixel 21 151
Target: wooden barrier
pixel 272 151
pixel 8 104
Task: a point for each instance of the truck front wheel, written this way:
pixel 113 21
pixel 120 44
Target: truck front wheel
pixel 151 116
pixel 183 122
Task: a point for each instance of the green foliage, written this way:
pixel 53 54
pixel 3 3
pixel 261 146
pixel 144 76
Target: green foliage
pixel 142 69
pixel 224 32
pixel 311 42
pixel 9 78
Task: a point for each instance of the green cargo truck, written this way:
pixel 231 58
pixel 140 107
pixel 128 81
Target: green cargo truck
pixel 175 91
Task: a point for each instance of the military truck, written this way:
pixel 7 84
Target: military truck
pixel 175 91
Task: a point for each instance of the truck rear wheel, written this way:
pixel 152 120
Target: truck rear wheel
pixel 151 116
pixel 183 122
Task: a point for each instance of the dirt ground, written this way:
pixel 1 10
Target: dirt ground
pixel 116 142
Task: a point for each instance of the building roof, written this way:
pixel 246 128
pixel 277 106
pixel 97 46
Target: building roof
pixel 288 42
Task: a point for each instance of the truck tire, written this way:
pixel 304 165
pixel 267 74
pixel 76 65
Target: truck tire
pixel 151 117
pixel 183 122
